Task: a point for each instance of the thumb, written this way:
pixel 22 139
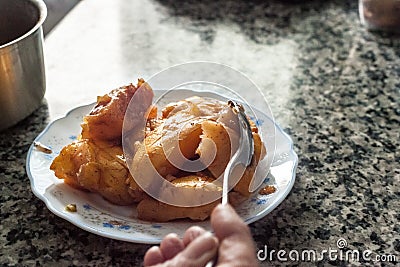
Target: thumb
pixel 227 223
pixel 236 243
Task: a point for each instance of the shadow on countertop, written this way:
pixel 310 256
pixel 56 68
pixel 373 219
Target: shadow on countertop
pixel 56 11
pixel 256 18
pixel 15 141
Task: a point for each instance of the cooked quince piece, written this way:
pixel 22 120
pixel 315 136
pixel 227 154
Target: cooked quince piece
pixel 178 130
pixel 150 209
pixel 195 107
pixel 160 142
pixel 66 165
pixel 218 134
pixel 194 181
pixel 154 151
pixel 134 189
pixel 215 132
pixel 98 167
pixel 259 152
pixel 105 121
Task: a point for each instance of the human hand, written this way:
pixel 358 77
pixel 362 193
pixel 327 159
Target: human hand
pixel 232 240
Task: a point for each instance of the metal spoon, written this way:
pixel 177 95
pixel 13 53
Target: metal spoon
pixel 243 155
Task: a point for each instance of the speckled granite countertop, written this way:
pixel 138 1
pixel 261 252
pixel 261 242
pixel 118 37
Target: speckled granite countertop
pixel 335 89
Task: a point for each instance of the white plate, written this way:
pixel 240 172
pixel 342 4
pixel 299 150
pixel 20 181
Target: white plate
pixel 96 215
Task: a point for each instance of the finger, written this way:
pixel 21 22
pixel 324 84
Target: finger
pixel 236 243
pixel 192 233
pixel 226 222
pixel 171 245
pixel 153 256
pixel 199 252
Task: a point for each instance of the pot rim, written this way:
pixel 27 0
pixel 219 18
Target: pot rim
pixel 42 17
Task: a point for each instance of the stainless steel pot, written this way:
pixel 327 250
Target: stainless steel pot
pixel 22 72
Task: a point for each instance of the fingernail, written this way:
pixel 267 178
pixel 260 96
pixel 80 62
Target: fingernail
pixel 204 244
pixel 196 232
pixel 210 236
pixel 207 250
